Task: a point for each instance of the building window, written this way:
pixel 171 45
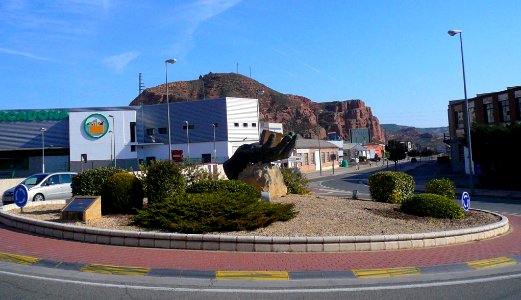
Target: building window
pixel 151 131
pixel 306 159
pixel 299 163
pixel 162 130
pixel 313 160
pixel 458 118
pixel 235 124
pixel 133 136
pixel 472 115
pixel 489 113
pixel 244 124
pixel 504 111
pixel 253 124
pixel 323 157
pixel 328 157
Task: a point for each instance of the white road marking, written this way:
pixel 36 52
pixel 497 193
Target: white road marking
pixel 273 291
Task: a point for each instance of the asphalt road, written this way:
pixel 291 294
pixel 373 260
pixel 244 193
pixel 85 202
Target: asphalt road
pixel 344 184
pixel 30 283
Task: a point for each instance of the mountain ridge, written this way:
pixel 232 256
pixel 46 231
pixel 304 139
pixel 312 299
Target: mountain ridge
pixel 296 113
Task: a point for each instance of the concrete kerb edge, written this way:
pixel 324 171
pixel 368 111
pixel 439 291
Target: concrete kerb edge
pixel 251 243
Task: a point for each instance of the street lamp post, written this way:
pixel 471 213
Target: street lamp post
pixel 187 140
pixel 469 142
pixel 43 130
pixel 214 125
pixel 259 93
pixel 113 141
pixel 111 146
pixel 318 139
pixel 168 61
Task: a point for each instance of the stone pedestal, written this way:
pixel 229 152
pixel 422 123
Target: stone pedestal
pixel 265 178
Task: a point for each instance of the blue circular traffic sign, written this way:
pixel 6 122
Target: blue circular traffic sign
pixel 20 195
pixel 465 201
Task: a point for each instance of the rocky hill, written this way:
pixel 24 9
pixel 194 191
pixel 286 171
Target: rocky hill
pixel 297 113
pixel 420 137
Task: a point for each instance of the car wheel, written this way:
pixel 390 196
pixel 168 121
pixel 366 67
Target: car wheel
pixel 38 197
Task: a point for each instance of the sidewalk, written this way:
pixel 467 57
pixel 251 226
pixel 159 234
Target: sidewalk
pixel 36 250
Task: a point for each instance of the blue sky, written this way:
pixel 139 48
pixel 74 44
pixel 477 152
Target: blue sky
pixel 394 55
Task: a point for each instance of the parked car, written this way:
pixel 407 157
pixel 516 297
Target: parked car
pixel 44 186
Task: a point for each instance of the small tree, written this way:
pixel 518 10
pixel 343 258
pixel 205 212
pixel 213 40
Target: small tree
pixel 396 151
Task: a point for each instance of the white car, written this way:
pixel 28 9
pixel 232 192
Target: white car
pixel 44 186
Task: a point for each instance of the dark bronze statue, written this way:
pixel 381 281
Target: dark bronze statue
pixel 257 152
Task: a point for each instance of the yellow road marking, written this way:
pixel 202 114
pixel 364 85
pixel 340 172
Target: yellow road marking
pixel 385 273
pixel 252 275
pixel 491 263
pixel 18 259
pixel 115 270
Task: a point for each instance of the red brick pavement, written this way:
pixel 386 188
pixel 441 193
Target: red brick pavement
pixel 69 251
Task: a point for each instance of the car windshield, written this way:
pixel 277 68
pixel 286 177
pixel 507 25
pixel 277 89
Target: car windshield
pixel 34 179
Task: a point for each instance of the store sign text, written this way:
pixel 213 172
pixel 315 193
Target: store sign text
pixel 32 115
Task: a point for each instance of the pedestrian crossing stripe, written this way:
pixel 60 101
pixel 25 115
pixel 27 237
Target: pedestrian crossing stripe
pixel 115 270
pixel 386 273
pixel 252 275
pixel 492 263
pixel 18 259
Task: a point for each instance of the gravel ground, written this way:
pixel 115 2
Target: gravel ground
pixel 317 216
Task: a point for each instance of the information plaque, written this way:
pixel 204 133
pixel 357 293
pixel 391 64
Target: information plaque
pixel 82 208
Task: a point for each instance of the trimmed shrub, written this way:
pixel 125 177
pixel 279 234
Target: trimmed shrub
pixel 212 212
pixel 295 181
pixel 163 180
pixel 391 187
pixel 442 186
pixel 432 205
pixel 121 193
pixel 90 182
pixel 230 186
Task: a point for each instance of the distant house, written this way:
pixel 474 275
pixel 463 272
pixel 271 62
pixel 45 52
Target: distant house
pixel 375 149
pixel 306 155
pixel 354 150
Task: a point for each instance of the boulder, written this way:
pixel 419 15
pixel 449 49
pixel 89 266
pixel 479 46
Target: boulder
pixel 265 178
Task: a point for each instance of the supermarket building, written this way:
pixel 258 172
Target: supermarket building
pixel 76 139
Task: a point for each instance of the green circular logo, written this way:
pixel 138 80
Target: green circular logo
pixel 96 126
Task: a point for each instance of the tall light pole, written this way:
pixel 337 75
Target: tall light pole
pixel 168 61
pixel 318 139
pixel 467 114
pixel 111 146
pixel 113 141
pixel 259 93
pixel 187 140
pixel 214 125
pixel 43 130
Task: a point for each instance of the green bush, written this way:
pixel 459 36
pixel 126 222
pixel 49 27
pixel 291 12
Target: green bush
pixel 391 187
pixel 193 173
pixel 432 205
pixel 442 186
pixel 121 193
pixel 89 182
pixel 212 212
pixel 163 180
pixel 230 186
pixel 295 181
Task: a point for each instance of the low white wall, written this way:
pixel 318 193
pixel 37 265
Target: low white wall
pixel 6 184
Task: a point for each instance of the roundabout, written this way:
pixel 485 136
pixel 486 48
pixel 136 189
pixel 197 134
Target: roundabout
pixel 249 242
